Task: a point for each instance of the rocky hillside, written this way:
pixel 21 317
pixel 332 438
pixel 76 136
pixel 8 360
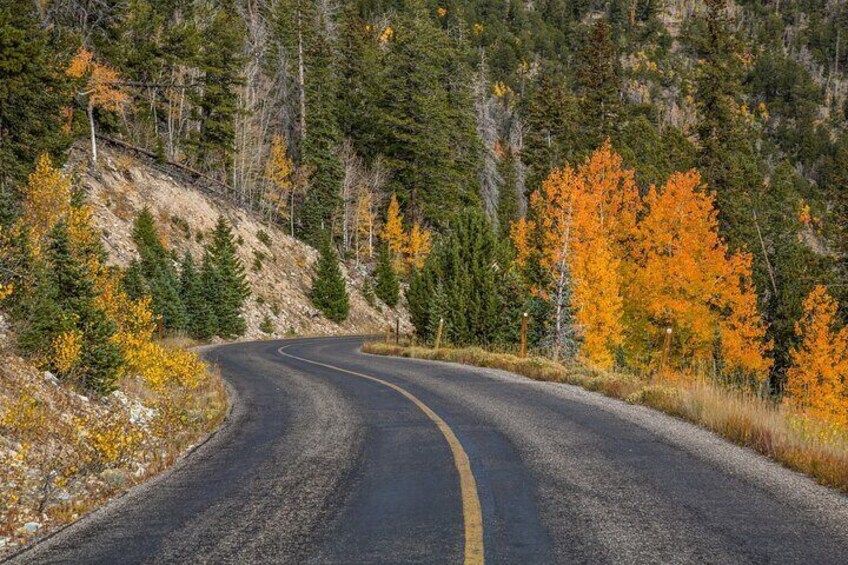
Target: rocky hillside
pixel 279 267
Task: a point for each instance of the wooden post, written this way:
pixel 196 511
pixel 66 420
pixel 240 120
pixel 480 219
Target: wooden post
pixel 439 333
pixel 523 336
pixel 397 331
pixel 666 347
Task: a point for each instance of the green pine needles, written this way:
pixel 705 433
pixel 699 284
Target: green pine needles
pixel 329 293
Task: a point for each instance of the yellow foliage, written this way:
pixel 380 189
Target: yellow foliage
pixel 393 233
pixel 66 351
pixel 278 171
pixel 477 28
pixel 817 381
pixel 47 198
pixel 387 35
pixel 442 12
pixel 418 247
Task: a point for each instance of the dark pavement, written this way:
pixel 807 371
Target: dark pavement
pixel 318 465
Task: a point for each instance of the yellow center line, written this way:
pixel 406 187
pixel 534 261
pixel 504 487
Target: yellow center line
pixel 472 514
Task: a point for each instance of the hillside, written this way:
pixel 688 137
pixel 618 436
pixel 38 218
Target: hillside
pixel 279 270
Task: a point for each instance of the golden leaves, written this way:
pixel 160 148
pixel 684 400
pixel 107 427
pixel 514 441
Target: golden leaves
pixel 66 351
pixel 685 278
pixel 393 233
pixel 102 81
pixel 411 249
pixel 633 279
pixel 47 199
pixel 817 381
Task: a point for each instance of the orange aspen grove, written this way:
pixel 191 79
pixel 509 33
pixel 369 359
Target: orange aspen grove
pixel 418 246
pixel 582 221
pixel 100 89
pixel 393 233
pixel 684 277
pixel 817 381
pixel 278 172
pixel 47 198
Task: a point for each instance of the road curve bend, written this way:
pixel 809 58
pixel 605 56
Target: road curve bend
pixel 334 456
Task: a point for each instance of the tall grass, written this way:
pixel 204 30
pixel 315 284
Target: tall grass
pixel 798 442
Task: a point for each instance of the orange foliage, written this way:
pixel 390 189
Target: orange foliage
pixel 817 381
pixel 583 219
pixel 636 278
pixel 684 277
pixel 101 84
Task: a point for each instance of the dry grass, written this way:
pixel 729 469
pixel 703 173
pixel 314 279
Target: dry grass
pixel 802 444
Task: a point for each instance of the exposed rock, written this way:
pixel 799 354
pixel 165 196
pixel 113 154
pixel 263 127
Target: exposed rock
pixel 280 272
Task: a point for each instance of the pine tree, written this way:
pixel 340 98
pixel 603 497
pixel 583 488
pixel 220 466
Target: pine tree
pixel 320 135
pixel 226 281
pixel 64 301
pixel 508 199
pixel 425 126
pixel 156 266
pixel 386 285
pixel 329 294
pixel 461 281
pixel 33 94
pixel 728 159
pixel 201 322
pixel 552 137
pixel 220 61
pixel 599 81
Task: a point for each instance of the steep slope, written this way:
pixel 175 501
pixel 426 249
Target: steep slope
pixel 279 267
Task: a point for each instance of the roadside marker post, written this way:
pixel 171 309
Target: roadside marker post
pixel 524 335
pixel 439 334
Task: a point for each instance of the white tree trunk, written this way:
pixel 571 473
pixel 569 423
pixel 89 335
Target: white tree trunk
pixel 93 136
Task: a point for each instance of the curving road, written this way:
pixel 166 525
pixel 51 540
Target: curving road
pixel 332 456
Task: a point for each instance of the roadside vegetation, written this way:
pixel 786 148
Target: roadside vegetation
pixel 92 400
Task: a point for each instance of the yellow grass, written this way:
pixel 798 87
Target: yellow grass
pixel 798 442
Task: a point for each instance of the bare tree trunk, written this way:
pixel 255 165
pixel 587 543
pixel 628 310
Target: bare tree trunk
pixel 300 75
pixel 90 110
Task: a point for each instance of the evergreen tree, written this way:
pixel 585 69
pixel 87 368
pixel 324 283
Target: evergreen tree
pixel 220 61
pixel 329 294
pixel 461 282
pixel 552 137
pixel 386 285
pixel 64 301
pixel 201 322
pixel 508 199
pixel 727 160
pixel 425 124
pixel 599 81
pixel 156 268
pixel 225 281
pixel 32 95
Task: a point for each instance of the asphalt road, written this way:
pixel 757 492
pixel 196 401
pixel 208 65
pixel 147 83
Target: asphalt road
pixel 362 459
